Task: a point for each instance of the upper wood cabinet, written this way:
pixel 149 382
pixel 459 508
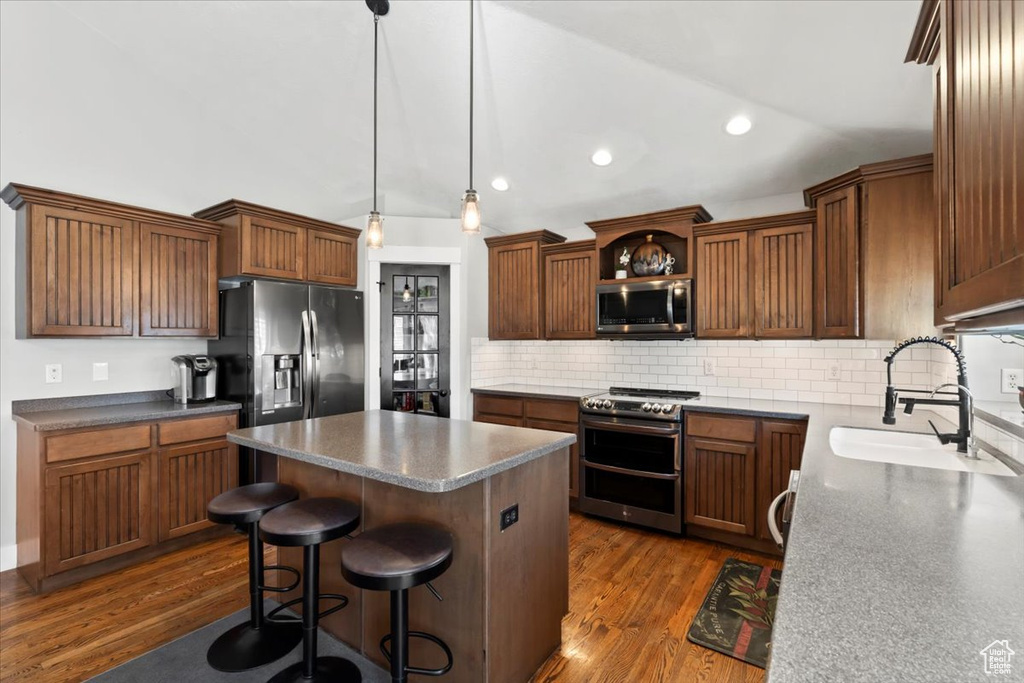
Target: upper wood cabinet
pixel 754 277
pixel 570 279
pixel 92 268
pixel 975 50
pixel 266 242
pixel 837 251
pixel 177 282
pixel 516 284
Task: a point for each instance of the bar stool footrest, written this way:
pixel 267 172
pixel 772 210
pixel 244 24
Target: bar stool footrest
pixel 274 619
pixel 415 669
pixel 281 589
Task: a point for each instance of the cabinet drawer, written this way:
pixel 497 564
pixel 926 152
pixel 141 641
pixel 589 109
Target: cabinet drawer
pixel 197 429
pixel 720 427
pixel 498 405
pixel 557 410
pixel 98 442
pixel 506 420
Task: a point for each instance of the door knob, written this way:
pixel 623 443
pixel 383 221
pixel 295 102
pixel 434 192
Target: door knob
pixel 443 392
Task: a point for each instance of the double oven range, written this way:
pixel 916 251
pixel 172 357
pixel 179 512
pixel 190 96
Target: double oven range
pixel 631 456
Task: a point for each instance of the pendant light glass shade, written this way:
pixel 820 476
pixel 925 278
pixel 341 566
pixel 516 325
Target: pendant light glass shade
pixel 471 212
pixel 374 231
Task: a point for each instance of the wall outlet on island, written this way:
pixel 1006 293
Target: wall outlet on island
pixel 709 367
pixel 1011 379
pixel 54 373
pixel 509 516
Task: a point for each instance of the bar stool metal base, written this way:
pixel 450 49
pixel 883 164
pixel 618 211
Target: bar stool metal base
pixel 328 670
pixel 244 647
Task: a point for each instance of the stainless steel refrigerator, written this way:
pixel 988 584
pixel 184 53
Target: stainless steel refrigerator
pixel 288 352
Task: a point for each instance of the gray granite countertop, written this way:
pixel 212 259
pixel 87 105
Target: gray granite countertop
pixel 414 451
pixel 536 391
pixel 50 414
pixel 893 573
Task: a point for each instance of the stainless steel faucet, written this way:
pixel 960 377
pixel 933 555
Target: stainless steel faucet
pixel 972 447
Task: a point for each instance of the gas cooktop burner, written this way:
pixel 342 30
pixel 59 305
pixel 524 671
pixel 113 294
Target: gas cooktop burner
pixel 657 404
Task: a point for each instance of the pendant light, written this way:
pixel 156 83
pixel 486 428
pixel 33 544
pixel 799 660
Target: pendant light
pixel 374 224
pixel 470 200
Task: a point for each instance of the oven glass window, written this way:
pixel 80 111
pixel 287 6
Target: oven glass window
pixel 630 451
pixel 637 492
pixel 636 307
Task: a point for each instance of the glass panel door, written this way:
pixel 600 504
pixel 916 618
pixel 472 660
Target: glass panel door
pixel 415 339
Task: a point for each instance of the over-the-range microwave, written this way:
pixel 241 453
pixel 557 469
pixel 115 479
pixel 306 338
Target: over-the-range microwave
pixel 655 309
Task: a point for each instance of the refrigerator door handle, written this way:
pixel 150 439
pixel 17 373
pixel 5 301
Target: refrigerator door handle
pixel 314 394
pixel 307 368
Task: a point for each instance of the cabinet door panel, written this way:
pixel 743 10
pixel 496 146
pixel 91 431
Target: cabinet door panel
pixel 514 306
pixel 837 255
pixel 331 258
pixel 190 477
pixel 782 272
pixel 177 282
pixel 96 509
pixel 719 481
pixel 574 450
pixel 570 279
pixel 82 274
pixel 273 249
pixel 779 451
pixel 722 286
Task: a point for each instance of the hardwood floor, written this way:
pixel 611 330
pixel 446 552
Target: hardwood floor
pixel 632 596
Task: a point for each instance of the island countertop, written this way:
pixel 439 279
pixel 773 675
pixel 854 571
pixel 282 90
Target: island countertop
pixel 413 451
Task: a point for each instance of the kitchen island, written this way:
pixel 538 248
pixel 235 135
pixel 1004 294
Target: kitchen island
pixel 506 591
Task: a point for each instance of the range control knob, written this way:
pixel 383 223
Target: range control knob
pixel 607 404
pixel 667 408
pixel 585 402
pixel 656 407
pixel 646 407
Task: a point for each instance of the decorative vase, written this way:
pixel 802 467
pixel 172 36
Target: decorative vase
pixel 650 258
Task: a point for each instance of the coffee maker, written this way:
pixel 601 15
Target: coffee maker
pixel 195 378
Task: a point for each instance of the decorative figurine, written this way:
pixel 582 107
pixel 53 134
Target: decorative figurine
pixel 621 273
pixel 669 262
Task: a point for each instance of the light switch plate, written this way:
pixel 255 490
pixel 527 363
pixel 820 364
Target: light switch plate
pixel 100 372
pixel 54 373
pixel 1011 379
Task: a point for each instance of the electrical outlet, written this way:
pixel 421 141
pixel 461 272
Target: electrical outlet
pixel 1011 380
pixel 100 372
pixel 54 373
pixel 834 371
pixel 709 366
pixel 509 516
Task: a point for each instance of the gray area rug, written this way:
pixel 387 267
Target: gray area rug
pixel 184 660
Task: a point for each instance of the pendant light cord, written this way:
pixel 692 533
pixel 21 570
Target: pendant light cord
pixel 376 23
pixel 471 94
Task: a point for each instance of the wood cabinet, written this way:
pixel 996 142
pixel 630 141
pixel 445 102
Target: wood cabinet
pixel 754 277
pixel 94 499
pixel 516 284
pixel 92 268
pixel 553 414
pixel 570 278
pixel 265 242
pixel 177 282
pixel 975 50
pixel 733 468
pixel 873 264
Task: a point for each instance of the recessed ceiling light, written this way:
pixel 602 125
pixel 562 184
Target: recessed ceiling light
pixel 738 125
pixel 499 184
pixel 602 157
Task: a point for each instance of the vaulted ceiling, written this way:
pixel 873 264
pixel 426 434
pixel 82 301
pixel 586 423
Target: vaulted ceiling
pixel 289 84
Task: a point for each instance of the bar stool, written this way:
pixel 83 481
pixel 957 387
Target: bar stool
pixel 395 558
pixel 260 640
pixel 308 523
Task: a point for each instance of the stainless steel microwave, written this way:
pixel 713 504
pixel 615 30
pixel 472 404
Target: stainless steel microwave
pixel 660 309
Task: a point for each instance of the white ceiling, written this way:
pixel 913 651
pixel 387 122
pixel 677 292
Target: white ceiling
pixel 290 82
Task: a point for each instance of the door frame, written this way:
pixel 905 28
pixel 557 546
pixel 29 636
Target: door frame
pixel 427 256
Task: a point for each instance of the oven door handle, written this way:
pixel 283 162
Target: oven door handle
pixel 632 473
pixel 633 427
pixel 773 526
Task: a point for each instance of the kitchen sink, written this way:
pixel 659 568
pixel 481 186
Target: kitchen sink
pixel 915 450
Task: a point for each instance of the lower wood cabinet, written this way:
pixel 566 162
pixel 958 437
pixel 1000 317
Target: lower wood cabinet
pixel 94 499
pixel 556 415
pixel 733 467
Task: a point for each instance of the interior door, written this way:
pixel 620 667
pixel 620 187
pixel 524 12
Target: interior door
pixel 415 339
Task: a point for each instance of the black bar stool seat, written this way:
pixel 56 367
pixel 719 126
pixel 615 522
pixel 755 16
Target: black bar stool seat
pixel 307 524
pixel 395 558
pixel 261 639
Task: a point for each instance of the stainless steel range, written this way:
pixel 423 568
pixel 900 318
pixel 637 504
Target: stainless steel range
pixel 631 456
